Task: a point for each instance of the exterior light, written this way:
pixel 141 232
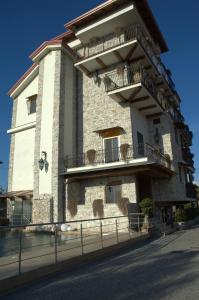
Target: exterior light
pixel 43 162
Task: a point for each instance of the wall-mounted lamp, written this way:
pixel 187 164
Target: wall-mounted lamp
pixel 43 161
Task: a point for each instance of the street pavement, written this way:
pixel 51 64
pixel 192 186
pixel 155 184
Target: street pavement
pixel 163 269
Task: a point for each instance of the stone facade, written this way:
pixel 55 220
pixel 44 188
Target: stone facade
pixel 85 192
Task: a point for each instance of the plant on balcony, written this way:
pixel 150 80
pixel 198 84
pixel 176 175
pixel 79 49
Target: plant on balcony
pixel 120 70
pixel 72 207
pixel 124 151
pixel 91 156
pixel 123 205
pixel 137 73
pixel 98 208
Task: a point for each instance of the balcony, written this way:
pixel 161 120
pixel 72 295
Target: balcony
pixel 144 155
pixel 179 120
pixel 126 44
pixel 134 85
pixel 188 157
pixel 187 136
pixel 191 191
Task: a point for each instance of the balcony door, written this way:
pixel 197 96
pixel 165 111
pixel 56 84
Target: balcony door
pixel 111 149
pixel 140 141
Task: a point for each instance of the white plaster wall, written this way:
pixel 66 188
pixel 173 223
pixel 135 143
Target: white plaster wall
pixel 23 160
pixel 22 112
pixel 45 178
pixel 139 123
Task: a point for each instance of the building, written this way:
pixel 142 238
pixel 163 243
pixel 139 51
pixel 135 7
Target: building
pixel 96 123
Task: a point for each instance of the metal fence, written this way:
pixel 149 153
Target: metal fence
pixel 25 248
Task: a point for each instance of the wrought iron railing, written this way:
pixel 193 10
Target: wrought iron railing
pixel 118 155
pixel 191 191
pixel 120 37
pixel 133 74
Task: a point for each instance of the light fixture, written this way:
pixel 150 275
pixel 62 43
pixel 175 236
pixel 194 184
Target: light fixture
pixel 43 161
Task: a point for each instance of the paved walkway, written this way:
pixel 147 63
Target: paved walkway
pixel 165 269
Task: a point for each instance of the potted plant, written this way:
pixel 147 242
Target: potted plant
pixel 146 206
pixel 124 151
pixel 91 155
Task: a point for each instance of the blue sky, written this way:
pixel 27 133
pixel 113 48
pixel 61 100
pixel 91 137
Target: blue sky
pixel 24 26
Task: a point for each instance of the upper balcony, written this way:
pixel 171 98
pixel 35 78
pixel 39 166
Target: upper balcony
pixel 135 85
pixel 178 118
pixel 136 159
pixel 125 44
pixel 188 157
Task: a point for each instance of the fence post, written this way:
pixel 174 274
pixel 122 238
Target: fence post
pixel 82 241
pixel 101 234
pixel 20 249
pixel 129 226
pixel 55 245
pixel 116 225
pixel 139 223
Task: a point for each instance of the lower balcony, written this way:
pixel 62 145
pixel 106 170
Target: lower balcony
pixel 134 85
pixel 130 159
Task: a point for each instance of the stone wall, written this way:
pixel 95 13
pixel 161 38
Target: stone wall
pixel 99 112
pixel 85 192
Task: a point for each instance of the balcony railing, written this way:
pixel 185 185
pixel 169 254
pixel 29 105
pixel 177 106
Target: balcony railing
pixel 191 190
pixel 188 156
pixel 128 75
pixel 178 117
pixel 120 37
pixel 118 155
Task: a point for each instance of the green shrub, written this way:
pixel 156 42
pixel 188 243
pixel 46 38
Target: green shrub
pixel 186 213
pixel 146 206
pixel 180 215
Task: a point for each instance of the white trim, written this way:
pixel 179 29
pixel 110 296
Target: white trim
pixel 74 44
pixel 125 88
pixel 104 20
pixel 25 82
pixel 106 52
pixel 111 137
pixel 114 165
pixel 22 127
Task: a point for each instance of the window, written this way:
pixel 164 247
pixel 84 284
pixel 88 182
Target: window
pixel 31 104
pixel 113 193
pixel 111 149
pixel 156 121
pixel 140 141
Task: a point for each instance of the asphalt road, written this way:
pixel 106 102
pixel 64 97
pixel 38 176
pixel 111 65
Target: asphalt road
pixel 164 269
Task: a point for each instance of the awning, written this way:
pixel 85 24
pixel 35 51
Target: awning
pixel 17 194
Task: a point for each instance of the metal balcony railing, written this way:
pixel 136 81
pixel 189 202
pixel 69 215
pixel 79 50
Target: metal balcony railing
pixel 120 37
pixel 128 75
pixel 117 155
pixel 191 190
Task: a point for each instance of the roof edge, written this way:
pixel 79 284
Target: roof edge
pixel 22 78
